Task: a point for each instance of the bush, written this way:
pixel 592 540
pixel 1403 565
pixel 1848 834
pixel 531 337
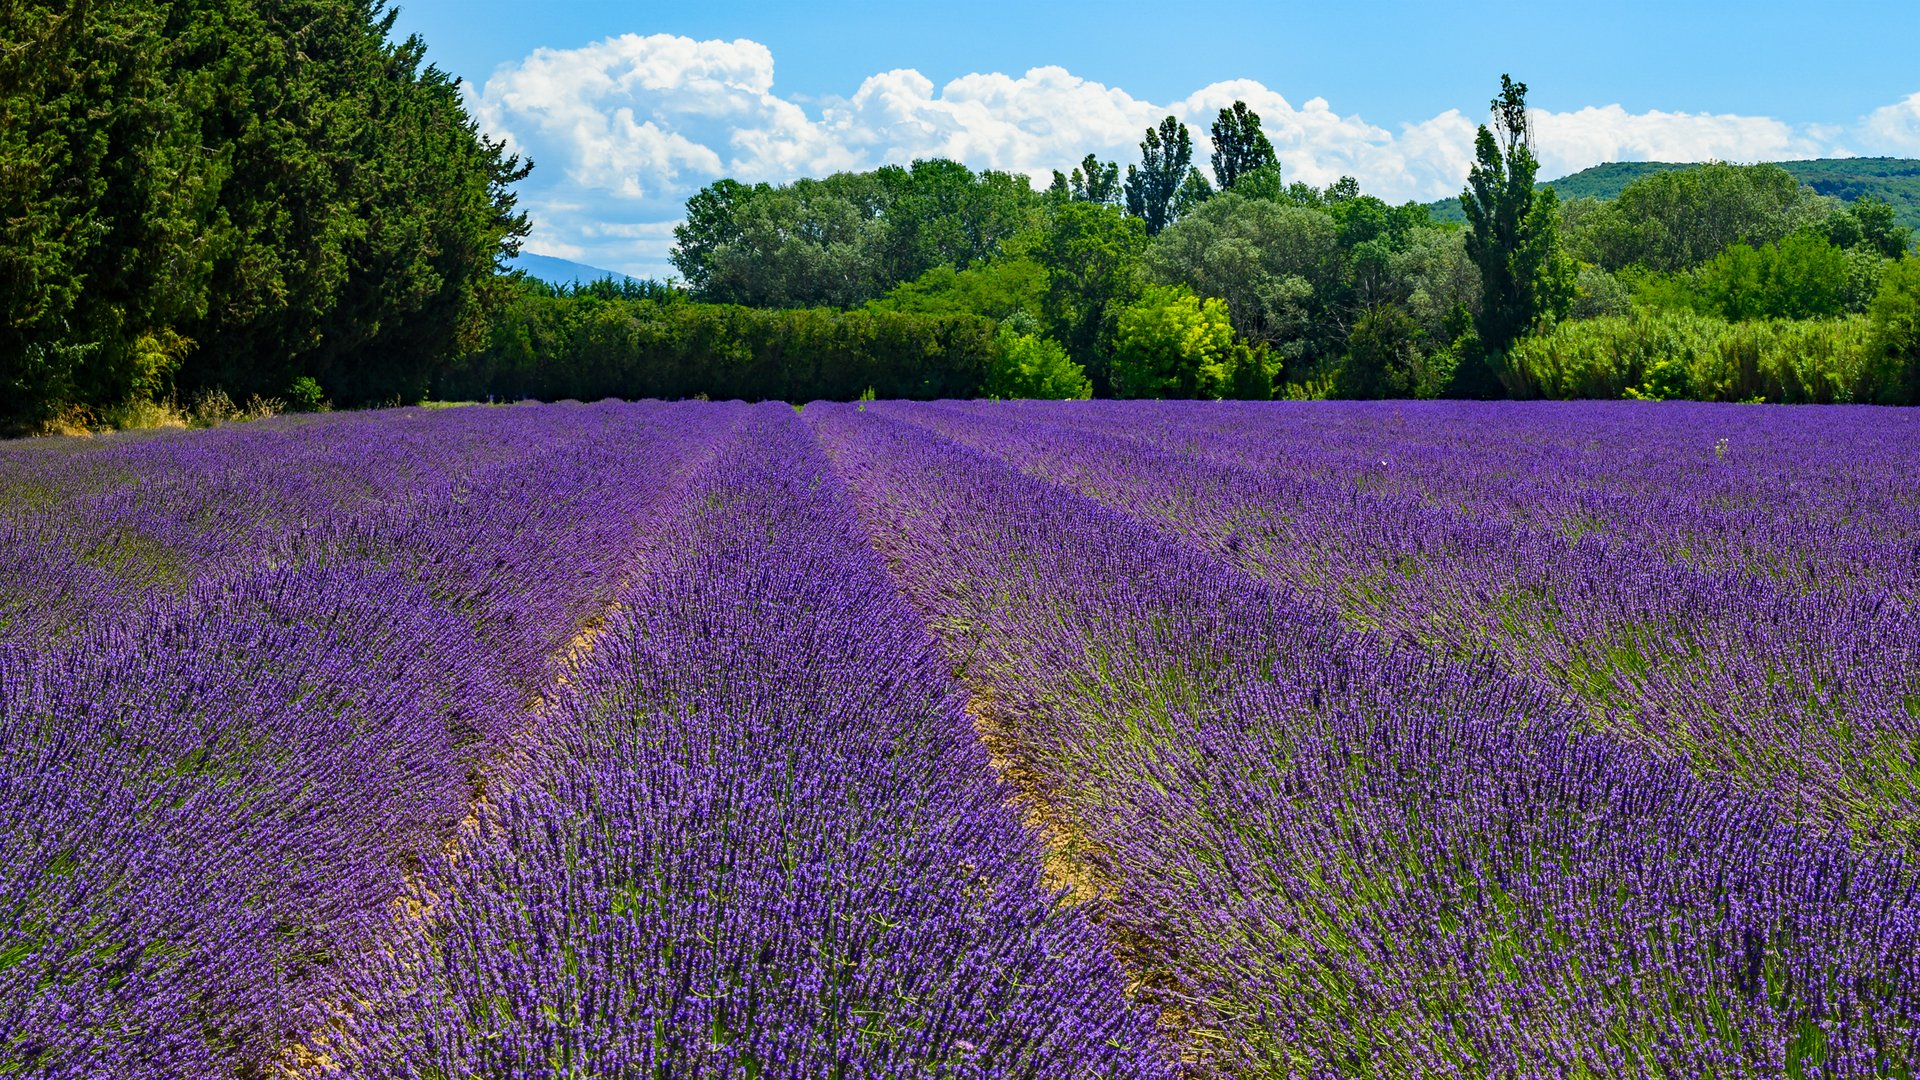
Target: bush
pixel 1894 321
pixel 1033 366
pixel 305 395
pixel 1679 354
pixel 1171 343
pixel 1387 357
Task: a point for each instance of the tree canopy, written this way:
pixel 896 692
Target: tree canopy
pixel 845 239
pixel 233 193
pixel 1240 148
pixel 1165 184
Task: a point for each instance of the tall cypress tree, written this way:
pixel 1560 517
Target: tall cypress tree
pixel 239 192
pixel 1512 229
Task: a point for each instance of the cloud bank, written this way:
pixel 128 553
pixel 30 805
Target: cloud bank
pixel 623 130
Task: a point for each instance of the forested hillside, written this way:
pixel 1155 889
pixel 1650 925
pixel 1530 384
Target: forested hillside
pixel 1895 181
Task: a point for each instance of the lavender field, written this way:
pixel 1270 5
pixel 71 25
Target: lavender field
pixel 965 739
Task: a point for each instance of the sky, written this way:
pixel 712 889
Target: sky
pixel 629 108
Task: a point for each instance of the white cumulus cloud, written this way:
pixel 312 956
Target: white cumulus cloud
pixel 625 129
pixel 1894 129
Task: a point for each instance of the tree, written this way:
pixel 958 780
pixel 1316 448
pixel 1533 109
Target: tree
pixel 1171 343
pixel 1277 266
pixel 1239 146
pixel 1511 228
pixel 848 238
pixel 998 290
pixel 1895 321
pixel 1091 255
pixel 1035 366
pixel 1165 183
pixel 222 192
pixel 1387 357
pixel 1677 220
pixel 1869 223
pixel 1093 181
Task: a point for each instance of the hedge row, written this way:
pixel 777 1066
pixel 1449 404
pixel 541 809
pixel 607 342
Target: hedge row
pixel 554 347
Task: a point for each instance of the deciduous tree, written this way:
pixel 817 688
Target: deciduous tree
pixel 1511 233
pixel 1165 183
pixel 1239 146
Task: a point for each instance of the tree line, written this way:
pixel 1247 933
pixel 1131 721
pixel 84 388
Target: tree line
pixel 275 198
pixel 1166 280
pixel 236 194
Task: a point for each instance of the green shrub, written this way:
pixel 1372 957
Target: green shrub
pixel 1683 355
pixel 1894 320
pixel 588 348
pixel 1035 366
pixel 305 395
pixel 1388 357
pixel 1171 343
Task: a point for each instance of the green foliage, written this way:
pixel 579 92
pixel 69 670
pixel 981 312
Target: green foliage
pixel 1164 185
pixel 1297 275
pixel 1388 357
pixel 1240 148
pixel 1893 181
pixel 1894 320
pixel 996 290
pixel 306 395
pixel 1172 343
pixel 1277 267
pixel 1093 181
pixel 1091 254
pixel 1032 366
pixel 1597 293
pixel 1677 220
pixel 1512 229
pixel 219 192
pixel 1870 224
pixel 848 238
pixel 550 347
pixel 1680 354
pixel 1801 277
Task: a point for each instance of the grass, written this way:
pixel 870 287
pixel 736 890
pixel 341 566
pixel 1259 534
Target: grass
pixel 209 409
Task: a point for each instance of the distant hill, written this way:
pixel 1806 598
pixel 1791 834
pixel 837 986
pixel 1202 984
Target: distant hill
pixel 1896 180
pixel 560 271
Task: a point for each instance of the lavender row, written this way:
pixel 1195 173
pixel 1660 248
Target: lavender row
pixel 92 527
pixel 1806 698
pixel 764 841
pixel 1334 857
pixel 1814 500
pixel 210 799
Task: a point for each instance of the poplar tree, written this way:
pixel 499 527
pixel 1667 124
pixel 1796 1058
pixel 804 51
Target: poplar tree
pixel 1239 146
pixel 1164 183
pixel 1512 229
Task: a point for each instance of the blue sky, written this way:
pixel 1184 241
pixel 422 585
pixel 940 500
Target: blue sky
pixel 628 108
